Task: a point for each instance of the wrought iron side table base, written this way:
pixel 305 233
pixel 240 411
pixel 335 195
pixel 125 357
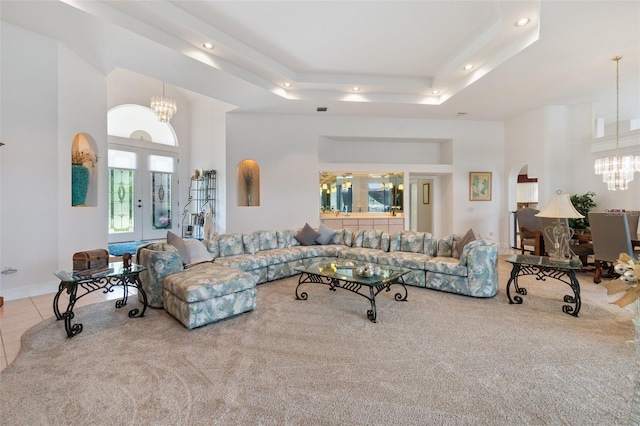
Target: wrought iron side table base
pixel 541 272
pixel 89 286
pixel 334 283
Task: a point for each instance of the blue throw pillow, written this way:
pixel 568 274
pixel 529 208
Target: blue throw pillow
pixel 326 234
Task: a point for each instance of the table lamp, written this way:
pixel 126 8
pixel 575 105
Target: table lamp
pixel 560 207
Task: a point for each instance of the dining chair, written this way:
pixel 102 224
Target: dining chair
pixel 530 227
pixel 633 217
pixel 610 237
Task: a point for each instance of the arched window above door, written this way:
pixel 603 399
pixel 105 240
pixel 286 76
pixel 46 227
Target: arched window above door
pixel 139 122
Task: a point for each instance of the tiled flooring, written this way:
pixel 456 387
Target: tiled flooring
pixel 17 316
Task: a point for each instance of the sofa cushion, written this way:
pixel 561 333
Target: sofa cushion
pixel 372 239
pixel 445 246
pixel 394 241
pixel 212 246
pixel 326 234
pixel 318 251
pixel 307 235
pixel 404 259
pixel 385 240
pixel 348 238
pixel 282 255
pixel 230 245
pixel 284 238
pixel 361 254
pixel 447 266
pixel 338 237
pixel 206 281
pixel 244 262
pixel 412 242
pixel 251 243
pixel 267 240
pixel 459 243
pixel 430 245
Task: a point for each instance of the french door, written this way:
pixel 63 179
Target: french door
pixel 143 197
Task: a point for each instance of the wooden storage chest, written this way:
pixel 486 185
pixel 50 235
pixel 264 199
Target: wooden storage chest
pixel 90 259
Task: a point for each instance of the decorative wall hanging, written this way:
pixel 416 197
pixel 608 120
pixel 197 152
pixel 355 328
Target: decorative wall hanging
pixel 479 186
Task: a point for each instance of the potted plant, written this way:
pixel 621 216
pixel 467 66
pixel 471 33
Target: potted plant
pixel 583 204
pixel 81 157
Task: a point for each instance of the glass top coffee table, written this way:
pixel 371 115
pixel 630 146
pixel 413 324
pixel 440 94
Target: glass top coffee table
pixel 362 278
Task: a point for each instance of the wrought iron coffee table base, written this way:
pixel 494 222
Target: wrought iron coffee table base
pixel 541 272
pixel 89 286
pixel 335 283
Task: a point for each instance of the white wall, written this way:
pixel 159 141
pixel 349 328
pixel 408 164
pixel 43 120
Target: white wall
pixel 556 142
pixel 48 95
pixel 286 148
pixel 208 127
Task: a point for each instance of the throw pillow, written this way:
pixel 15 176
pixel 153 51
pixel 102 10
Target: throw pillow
pixel 197 252
pixel 180 245
pixel 326 234
pixel 459 245
pixel 307 235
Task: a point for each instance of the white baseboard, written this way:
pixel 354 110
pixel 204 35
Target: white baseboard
pixel 36 290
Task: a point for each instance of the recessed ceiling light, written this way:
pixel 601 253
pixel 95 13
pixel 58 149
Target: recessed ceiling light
pixel 355 89
pixel 435 92
pixel 287 84
pixel 522 22
pixel 207 45
pixel 467 67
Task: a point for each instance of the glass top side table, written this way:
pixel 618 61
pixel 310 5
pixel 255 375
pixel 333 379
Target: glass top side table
pixel 544 267
pixel 77 286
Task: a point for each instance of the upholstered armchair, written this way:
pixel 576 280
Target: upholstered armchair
pixel 530 227
pixel 611 237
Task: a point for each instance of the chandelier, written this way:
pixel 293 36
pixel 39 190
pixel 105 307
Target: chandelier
pixel 163 107
pixel 617 171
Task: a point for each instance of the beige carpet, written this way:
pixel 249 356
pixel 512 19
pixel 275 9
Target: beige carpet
pixel 438 359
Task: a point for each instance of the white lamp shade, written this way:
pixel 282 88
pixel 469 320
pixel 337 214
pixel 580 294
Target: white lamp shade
pixel 560 206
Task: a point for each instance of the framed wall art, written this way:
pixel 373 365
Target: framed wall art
pixel 426 193
pixel 479 186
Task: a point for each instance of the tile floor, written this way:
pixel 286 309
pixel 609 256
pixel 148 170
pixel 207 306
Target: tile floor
pixel 17 316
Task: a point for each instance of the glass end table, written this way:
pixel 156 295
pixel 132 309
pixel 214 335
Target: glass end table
pixel 544 267
pixel 78 285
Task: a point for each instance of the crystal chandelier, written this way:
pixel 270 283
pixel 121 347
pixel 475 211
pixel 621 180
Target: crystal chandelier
pixel 617 171
pixel 163 107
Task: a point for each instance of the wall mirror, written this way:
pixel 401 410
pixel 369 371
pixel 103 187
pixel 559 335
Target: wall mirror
pixel 361 192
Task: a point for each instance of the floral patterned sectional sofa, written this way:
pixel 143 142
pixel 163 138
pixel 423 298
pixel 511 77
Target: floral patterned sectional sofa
pixel 213 279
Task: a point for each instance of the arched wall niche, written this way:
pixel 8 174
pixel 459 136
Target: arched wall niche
pixel 84 176
pixel 248 181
